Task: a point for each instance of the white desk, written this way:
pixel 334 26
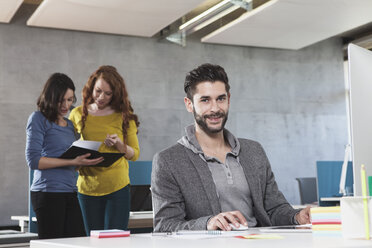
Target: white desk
pixel 22 221
pixel 8 237
pixel 139 219
pixel 304 206
pixel 335 199
pixel 303 240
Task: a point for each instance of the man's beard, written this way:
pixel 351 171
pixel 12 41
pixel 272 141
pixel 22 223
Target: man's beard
pixel 201 120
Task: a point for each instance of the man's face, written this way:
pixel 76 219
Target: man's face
pixel 210 106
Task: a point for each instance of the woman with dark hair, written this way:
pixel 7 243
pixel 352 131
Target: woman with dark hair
pixel 49 135
pixel 107 116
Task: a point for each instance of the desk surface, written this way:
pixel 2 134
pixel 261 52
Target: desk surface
pixel 138 219
pixel 303 240
pixel 335 199
pixel 11 236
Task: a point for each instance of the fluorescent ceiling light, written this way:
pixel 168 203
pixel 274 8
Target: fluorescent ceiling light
pixel 215 17
pixel 203 14
pixel 207 17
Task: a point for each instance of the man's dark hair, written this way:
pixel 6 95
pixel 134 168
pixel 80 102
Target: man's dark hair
pixel 203 73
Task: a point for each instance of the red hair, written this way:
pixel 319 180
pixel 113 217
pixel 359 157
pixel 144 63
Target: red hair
pixel 120 101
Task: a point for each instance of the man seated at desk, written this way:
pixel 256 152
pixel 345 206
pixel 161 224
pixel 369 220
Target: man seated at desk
pixel 210 178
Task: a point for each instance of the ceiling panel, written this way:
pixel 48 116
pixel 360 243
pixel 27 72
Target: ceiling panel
pixel 293 24
pixel 8 8
pixel 127 17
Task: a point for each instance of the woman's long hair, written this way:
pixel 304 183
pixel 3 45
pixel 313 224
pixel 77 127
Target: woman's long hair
pixel 119 102
pixel 52 95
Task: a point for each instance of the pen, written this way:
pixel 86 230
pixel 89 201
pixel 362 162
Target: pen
pixel 199 232
pixel 161 234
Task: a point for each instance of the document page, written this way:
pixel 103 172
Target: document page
pixel 87 144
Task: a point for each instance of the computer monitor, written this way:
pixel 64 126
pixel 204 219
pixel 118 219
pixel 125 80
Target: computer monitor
pixel 360 79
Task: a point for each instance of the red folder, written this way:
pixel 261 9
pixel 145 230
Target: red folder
pixel 114 233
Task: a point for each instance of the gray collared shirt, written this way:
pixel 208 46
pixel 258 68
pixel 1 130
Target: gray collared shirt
pixel 231 184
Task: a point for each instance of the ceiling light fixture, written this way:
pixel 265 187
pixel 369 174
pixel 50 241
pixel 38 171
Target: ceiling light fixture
pixel 205 14
pixel 207 17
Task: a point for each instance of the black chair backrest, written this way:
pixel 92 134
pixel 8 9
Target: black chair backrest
pixel 308 192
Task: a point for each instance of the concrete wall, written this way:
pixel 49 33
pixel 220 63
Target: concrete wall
pixel 292 102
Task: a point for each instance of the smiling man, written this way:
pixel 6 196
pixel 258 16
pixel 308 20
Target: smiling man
pixel 210 179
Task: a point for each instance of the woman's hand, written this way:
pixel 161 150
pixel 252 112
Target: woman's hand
pixel 83 160
pixel 114 140
pixel 79 161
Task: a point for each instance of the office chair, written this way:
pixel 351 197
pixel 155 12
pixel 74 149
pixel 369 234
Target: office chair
pixel 328 180
pixel 307 188
pixel 140 181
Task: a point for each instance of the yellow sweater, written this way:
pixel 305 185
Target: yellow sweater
pixel 98 181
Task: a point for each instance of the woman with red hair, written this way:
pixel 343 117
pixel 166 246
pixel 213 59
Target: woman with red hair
pixel 106 115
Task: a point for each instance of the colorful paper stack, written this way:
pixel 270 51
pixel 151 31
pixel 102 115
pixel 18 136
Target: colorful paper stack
pixel 326 220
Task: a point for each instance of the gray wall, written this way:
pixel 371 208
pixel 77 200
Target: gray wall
pixel 293 102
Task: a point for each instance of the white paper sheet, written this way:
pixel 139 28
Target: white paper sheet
pixel 88 144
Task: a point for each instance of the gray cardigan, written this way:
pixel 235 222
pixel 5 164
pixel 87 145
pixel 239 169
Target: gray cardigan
pixel 184 194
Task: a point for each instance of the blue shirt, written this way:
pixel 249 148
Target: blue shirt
pixel 47 139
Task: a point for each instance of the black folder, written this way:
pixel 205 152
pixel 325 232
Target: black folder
pixel 109 158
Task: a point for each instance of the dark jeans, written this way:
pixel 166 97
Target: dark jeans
pixel 106 212
pixel 58 215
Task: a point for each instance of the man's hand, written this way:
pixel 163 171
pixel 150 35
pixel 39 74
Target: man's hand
pixel 222 220
pixel 303 217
